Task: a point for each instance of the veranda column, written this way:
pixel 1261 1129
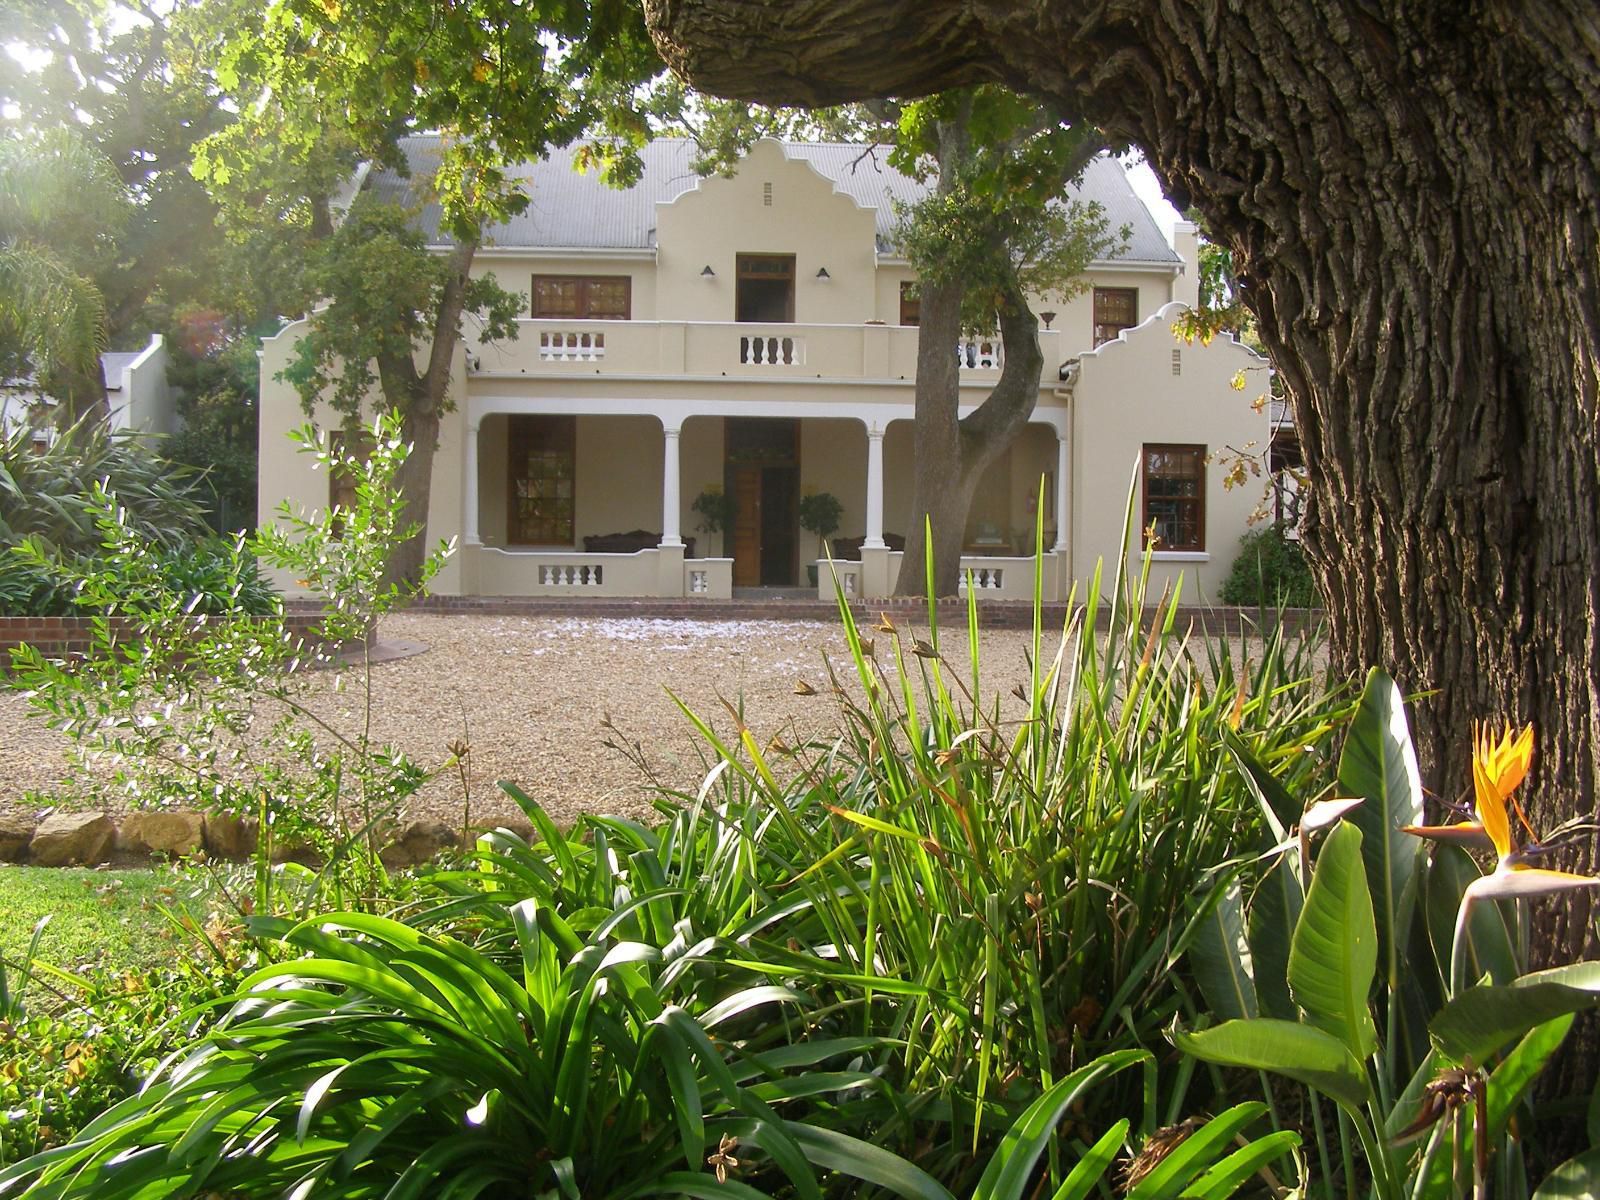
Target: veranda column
pixel 874 539
pixel 469 489
pixel 1063 486
pixel 669 488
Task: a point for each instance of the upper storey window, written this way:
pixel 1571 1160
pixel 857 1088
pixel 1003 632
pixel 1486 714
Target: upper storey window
pixel 910 304
pixel 1115 309
pixel 764 291
pixel 582 297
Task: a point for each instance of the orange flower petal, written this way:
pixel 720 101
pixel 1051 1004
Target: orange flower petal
pixel 1491 808
pixel 1462 833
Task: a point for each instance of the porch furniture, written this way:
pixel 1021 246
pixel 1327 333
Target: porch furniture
pixel 629 543
pixel 849 549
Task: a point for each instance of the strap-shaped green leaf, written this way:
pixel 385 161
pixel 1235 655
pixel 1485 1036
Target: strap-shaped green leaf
pixel 1287 1048
pixel 1335 948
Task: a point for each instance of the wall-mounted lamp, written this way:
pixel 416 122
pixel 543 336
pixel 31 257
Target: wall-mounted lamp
pixel 707 273
pixel 1047 317
pixel 823 276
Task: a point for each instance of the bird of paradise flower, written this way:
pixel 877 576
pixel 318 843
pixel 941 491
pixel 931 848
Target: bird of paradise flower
pixel 1499 765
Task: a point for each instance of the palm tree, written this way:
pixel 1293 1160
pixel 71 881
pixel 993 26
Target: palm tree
pixel 61 204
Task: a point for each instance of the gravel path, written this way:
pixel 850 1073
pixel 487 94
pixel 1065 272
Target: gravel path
pixel 530 694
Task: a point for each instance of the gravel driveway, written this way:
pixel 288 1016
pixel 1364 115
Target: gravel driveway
pixel 529 694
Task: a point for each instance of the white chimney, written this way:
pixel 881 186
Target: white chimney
pixel 1186 241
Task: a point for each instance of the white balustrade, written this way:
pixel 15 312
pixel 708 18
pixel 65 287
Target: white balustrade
pixel 985 579
pixel 979 353
pixel 698 583
pixel 571 345
pixel 764 350
pixel 571 575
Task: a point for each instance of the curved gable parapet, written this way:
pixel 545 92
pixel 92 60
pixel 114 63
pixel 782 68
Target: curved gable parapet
pixel 765 152
pixel 1163 318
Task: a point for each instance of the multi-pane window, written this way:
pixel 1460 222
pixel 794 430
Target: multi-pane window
pixel 582 297
pixel 1175 496
pixel 541 481
pixel 910 304
pixel 1115 309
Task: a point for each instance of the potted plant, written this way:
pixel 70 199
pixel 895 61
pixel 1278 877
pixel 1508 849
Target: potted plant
pixel 819 514
pixel 715 508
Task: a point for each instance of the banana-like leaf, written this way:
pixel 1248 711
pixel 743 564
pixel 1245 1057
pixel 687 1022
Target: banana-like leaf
pixel 1508 1084
pixel 1335 950
pixel 1274 911
pixel 1220 956
pixel 1482 1020
pixel 1576 1179
pixel 1379 764
pixel 1287 1048
pixel 1488 940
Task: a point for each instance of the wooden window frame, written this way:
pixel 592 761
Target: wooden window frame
pixel 584 304
pixel 910 306
pixel 1107 331
pixel 516 437
pixel 1197 501
pixel 744 268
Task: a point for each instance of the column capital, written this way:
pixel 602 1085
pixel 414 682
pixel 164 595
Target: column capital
pixel 671 431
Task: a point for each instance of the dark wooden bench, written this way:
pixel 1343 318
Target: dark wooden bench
pixel 629 543
pixel 849 549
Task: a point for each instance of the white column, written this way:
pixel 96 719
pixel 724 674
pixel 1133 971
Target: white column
pixel 469 489
pixel 1063 484
pixel 874 539
pixel 670 534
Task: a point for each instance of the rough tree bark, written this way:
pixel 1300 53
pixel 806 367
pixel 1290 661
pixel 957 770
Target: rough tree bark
pixel 1411 191
pixel 951 454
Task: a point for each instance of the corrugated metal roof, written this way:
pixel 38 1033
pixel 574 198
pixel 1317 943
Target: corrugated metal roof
pixel 114 362
pixel 568 209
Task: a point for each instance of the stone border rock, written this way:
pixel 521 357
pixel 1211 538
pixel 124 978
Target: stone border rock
pixel 87 839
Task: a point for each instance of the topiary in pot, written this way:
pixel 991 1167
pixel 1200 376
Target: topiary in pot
pixel 820 513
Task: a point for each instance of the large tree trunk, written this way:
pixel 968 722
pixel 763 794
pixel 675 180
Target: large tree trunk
pixel 422 398
pixel 1411 191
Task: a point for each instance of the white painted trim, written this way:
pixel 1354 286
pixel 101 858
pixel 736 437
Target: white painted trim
pixel 1194 556
pixel 632 253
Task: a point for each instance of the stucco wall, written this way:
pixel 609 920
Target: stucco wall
pixel 1127 395
pixel 713 223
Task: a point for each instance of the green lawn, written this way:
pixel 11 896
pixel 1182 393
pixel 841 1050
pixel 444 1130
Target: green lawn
pixel 112 918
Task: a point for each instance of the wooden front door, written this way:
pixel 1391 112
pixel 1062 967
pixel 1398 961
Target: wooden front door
pixel 746 493
pixel 762 475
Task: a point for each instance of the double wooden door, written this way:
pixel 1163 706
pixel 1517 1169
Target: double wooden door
pixel 763 477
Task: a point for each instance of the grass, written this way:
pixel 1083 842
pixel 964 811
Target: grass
pixel 107 918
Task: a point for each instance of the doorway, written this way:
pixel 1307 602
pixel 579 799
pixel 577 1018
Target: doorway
pixel 762 474
pixel 764 289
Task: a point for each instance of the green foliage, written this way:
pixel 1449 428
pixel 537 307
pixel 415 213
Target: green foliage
pixel 212 578
pixel 1271 570
pixel 49 496
pixel 1374 899
pixel 61 203
pixel 715 508
pixel 820 513
pixel 218 387
pixel 386 293
pixel 210 679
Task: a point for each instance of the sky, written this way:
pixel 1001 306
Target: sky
pixel 1145 186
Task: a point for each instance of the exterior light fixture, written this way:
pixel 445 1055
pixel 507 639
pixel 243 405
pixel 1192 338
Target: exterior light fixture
pixel 823 276
pixel 707 272
pixel 1047 317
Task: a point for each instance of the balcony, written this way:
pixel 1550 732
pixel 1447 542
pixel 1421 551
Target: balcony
pixel 713 349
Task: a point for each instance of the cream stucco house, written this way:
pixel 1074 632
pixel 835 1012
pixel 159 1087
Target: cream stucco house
pixel 753 335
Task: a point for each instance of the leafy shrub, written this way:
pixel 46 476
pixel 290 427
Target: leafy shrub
pixel 1271 570
pixel 49 495
pixel 213 578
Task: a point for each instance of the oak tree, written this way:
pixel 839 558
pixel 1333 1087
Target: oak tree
pixel 1409 194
